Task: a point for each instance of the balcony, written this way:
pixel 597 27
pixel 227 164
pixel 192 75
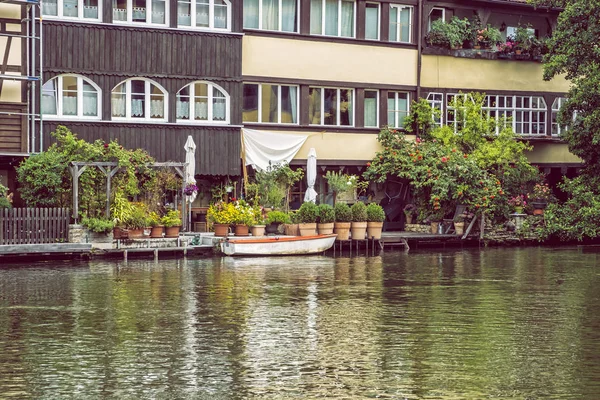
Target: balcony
pixel 482 54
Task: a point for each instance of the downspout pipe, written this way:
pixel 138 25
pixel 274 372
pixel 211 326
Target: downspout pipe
pixel 419 49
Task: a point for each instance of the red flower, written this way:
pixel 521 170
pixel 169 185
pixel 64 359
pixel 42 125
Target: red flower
pixel 454 150
pixel 465 156
pixel 444 159
pixel 106 145
pixel 420 157
pixel 368 164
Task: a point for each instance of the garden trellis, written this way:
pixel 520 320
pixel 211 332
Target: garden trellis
pixel 109 169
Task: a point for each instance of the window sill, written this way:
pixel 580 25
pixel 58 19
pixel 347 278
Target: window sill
pixel 479 54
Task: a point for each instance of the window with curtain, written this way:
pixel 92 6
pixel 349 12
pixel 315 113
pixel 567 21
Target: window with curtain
pixel 72 9
pixel 371 108
pixel 204 14
pixel 372 21
pixel 397 108
pixel 271 15
pixel 139 99
pixel 436 101
pixel 70 96
pixel 153 12
pixel 201 102
pixel 400 24
pixel 332 17
pixel 331 106
pixel 266 103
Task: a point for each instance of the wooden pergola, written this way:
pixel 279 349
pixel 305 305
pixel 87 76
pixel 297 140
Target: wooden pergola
pixel 109 169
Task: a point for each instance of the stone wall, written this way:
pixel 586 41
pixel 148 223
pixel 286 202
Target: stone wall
pixel 419 228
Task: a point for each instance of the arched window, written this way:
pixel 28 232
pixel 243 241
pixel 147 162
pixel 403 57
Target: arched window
pixel 71 96
pixel 204 14
pixel 139 99
pixel 202 102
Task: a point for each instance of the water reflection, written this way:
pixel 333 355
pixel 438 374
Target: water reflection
pixel 506 323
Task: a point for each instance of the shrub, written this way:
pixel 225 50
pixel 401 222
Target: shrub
pixel 278 217
pixel 326 214
pixel 375 213
pixel 171 219
pixel 308 213
pixel 342 212
pixel 359 212
pixel 98 225
pixel 139 217
pixel 4 203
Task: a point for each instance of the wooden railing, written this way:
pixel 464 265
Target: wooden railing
pixel 34 225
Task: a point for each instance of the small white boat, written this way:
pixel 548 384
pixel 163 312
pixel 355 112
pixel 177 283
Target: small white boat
pixel 277 245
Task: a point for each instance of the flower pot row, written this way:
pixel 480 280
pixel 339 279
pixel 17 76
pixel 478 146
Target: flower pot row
pixel 155 232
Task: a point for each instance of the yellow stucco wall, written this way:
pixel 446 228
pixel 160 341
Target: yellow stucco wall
pixel 315 60
pixel 12 11
pixel 466 73
pixel 551 153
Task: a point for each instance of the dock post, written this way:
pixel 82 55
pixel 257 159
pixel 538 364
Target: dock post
pixel 124 255
pixel 156 254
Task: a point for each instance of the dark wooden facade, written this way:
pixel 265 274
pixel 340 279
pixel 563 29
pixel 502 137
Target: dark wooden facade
pixel 109 54
pixel 13 129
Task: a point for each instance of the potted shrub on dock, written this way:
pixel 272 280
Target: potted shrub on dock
pixel 99 229
pixel 359 220
pixel 375 218
pixel 307 218
pixel 258 226
pixel 157 228
pixel 172 223
pixel 275 219
pixel 138 221
pixel 326 219
pixel 220 215
pixel 343 221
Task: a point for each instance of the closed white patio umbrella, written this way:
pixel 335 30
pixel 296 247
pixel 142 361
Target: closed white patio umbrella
pixel 190 172
pixel 311 176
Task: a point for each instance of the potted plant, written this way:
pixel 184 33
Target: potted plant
pixel 292 228
pixel 375 218
pixel 340 184
pixel 434 219
pixel 539 197
pixel 172 223
pixel 308 213
pixel 258 225
pixel 276 218
pixel 243 217
pixel 343 221
pixel 138 221
pixel 522 38
pixel 409 211
pixel 100 229
pixel 220 215
pixel 449 35
pixel 121 210
pixel 326 219
pixel 359 220
pixel 459 223
pixel 488 37
pixel 518 202
pixel 157 229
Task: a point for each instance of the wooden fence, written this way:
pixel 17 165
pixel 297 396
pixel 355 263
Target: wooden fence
pixel 34 225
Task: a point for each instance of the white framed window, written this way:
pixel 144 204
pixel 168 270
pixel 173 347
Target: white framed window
pixel 76 9
pixel 331 106
pixel 155 12
pixel 271 15
pixel 266 103
pixel 527 114
pixel 71 96
pixel 333 18
pixel 204 14
pixel 372 21
pixel 371 108
pixel 451 102
pixel 139 99
pixel 201 102
pixel 397 108
pixel 557 104
pixel 435 14
pixel 401 23
pixel 436 101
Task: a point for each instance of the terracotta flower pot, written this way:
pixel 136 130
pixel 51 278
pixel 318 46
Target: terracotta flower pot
pixel 241 230
pixel 136 233
pixel 307 229
pixel 374 230
pixel 221 230
pixel 342 229
pixel 359 230
pixel 172 231
pixel 292 229
pixel 157 232
pixel 325 229
pixel 459 228
pixel 258 230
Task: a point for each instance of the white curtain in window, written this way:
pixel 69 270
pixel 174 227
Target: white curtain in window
pixel 138 13
pixel 90 104
pixel 219 110
pixel 294 103
pixel 69 105
pixel 90 12
pixel 393 24
pixel 49 8
pixel 201 110
pixel 49 97
pixel 347 19
pixel 371 22
pixel 220 16
pixel 331 17
pixel 119 14
pixel 288 15
pixel 370 112
pixel 183 109
pixel 251 14
pixel 118 106
pixel 70 8
pixel 270 14
pixel 157 108
pixel 137 108
pixel 316 16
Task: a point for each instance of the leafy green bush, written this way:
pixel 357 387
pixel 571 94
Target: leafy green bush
pixel 375 213
pixel 98 225
pixel 172 218
pixel 342 212
pixel 359 212
pixel 4 203
pixel 277 217
pixel 326 214
pixel 308 213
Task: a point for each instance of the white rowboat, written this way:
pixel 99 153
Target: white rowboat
pixel 277 245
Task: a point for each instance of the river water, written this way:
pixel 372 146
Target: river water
pixel 518 323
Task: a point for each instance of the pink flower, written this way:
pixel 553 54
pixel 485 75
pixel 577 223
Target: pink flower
pixel 444 159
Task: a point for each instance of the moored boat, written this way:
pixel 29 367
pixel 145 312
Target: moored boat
pixel 277 245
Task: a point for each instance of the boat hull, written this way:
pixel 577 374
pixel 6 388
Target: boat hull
pixel 278 245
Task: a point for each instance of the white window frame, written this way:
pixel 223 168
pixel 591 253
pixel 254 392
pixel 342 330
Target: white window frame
pixel 376 108
pixel 59 4
pixel 279 113
pixel 211 17
pixel 378 20
pixel 338 111
pixel 400 7
pixel 442 9
pixel 59 100
pixel 210 106
pixel 147 98
pixel 436 101
pixel 148 11
pixel 514 113
pixel 556 127
pixel 397 111
pixel 339 27
pixel 279 18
